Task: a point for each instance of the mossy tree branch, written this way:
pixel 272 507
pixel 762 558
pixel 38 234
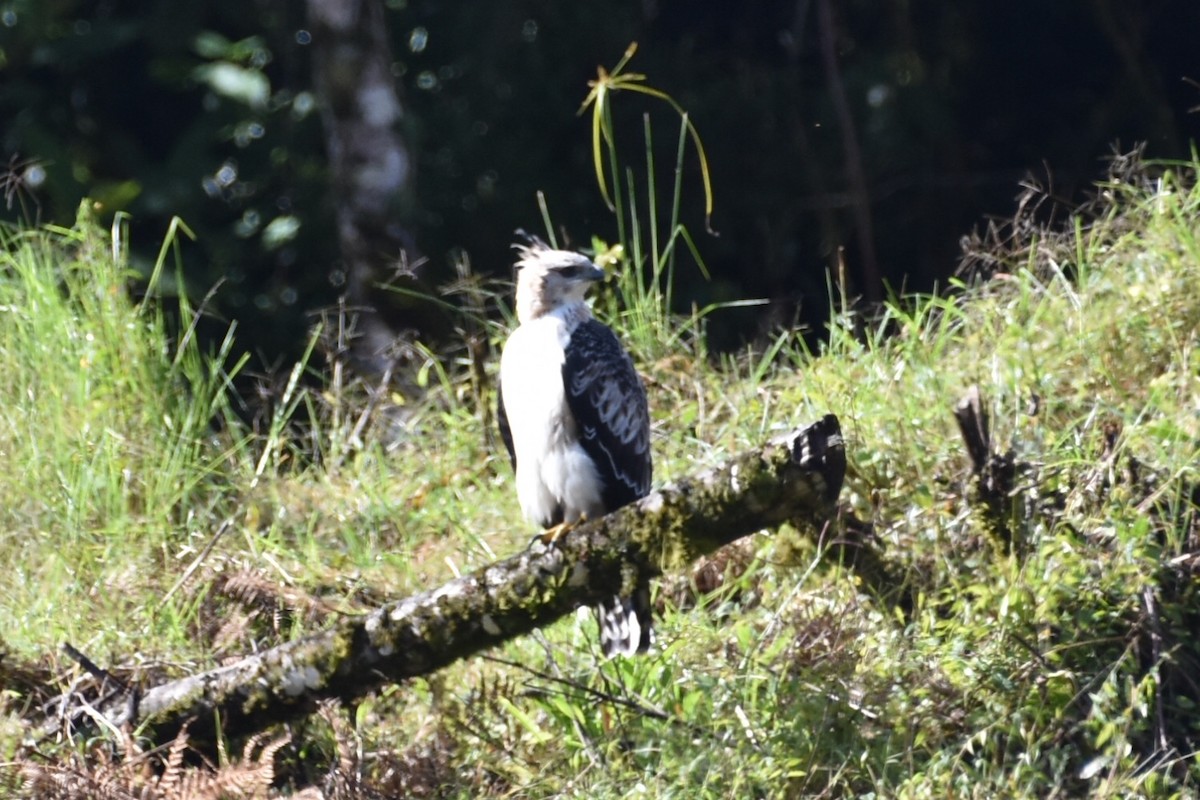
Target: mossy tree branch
pixel 795 479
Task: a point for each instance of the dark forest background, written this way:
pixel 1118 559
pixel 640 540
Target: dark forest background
pixel 884 130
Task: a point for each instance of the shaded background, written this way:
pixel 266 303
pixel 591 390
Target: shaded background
pixel 886 129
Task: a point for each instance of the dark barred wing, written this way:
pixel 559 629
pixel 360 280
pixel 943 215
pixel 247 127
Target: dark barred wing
pixel 608 401
pixel 502 423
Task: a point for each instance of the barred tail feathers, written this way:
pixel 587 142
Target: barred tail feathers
pixel 626 624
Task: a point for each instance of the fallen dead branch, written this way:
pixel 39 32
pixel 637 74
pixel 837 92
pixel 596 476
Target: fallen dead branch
pixel 794 479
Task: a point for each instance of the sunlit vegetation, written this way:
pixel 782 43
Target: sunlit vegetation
pixel 163 525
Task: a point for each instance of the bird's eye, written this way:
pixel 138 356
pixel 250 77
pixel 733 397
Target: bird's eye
pixel 570 272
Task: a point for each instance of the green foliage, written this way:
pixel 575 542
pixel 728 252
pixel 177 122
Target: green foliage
pixel 1060 666
pixel 607 83
pixel 107 426
pixel 646 252
pixel 215 119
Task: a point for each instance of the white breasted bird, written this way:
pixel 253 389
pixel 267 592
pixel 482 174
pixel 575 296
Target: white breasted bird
pixel 573 415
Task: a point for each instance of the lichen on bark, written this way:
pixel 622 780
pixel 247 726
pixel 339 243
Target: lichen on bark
pixel 794 479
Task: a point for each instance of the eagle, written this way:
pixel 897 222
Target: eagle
pixel 573 415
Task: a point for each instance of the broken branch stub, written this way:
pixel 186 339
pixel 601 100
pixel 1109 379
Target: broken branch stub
pixel 795 479
pixel 993 475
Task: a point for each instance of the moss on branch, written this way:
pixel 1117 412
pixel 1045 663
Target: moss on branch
pixel 793 479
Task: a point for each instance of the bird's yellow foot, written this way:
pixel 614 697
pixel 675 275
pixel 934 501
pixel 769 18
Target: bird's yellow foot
pixel 556 532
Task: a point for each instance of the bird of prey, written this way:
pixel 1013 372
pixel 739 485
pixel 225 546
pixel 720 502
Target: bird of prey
pixel 572 412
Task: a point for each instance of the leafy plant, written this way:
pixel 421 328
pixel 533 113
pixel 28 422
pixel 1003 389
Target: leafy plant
pixel 602 88
pixel 1063 667
pixel 647 246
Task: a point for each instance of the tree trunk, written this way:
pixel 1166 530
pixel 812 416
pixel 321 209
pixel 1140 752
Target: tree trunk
pixel 371 169
pixel 793 479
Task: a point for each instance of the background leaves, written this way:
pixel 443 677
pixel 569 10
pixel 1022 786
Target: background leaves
pixel 206 111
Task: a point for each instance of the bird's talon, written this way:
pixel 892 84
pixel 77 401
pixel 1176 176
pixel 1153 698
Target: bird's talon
pixel 556 532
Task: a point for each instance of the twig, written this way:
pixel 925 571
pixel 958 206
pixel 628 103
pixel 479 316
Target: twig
pixel 1156 659
pixel 97 671
pixel 198 560
pixel 853 153
pixel 596 694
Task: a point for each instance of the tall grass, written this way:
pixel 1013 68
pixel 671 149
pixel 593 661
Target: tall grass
pixel 1056 670
pixel 108 431
pixel 647 251
pixel 1063 667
